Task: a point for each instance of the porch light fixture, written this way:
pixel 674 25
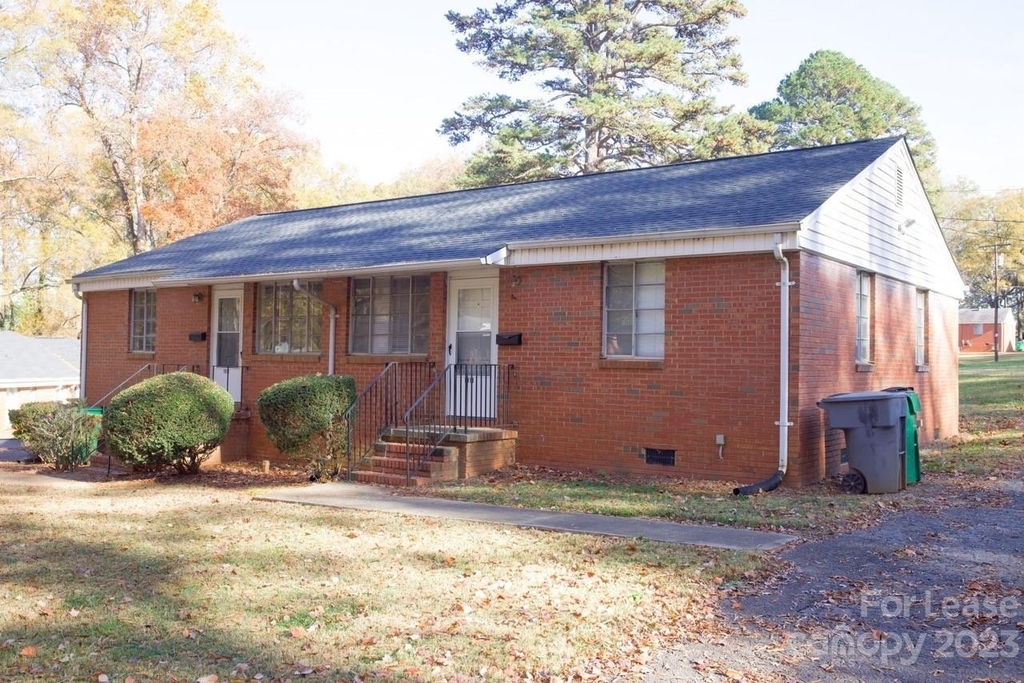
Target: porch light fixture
pixel 197 297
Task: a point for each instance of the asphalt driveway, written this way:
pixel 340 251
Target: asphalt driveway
pixel 935 592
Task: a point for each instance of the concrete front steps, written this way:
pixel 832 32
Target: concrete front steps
pixel 461 455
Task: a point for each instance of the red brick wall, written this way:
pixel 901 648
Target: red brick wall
pixel 970 342
pixel 264 370
pixel 576 409
pixel 108 358
pixel 824 340
pixel 719 376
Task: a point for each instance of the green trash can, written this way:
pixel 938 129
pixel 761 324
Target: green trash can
pixel 1019 346
pixel 80 454
pixel 911 439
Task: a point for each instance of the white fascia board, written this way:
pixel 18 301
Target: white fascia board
pixel 690 244
pixel 164 281
pixel 424 267
pixel 496 258
pixel 654 236
pixel 39 383
pixel 116 282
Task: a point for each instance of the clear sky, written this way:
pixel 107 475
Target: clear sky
pixel 375 79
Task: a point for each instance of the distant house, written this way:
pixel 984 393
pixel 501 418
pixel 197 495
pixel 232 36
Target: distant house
pixel 679 320
pixel 35 369
pixel 978 329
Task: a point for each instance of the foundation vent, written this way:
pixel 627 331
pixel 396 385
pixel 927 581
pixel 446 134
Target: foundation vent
pixel 659 456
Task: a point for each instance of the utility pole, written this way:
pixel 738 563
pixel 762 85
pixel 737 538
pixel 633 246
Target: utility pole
pixel 995 291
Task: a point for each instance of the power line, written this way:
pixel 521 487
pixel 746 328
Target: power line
pixel 979 220
pixel 982 191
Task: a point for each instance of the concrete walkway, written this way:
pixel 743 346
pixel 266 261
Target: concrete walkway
pixel 366 497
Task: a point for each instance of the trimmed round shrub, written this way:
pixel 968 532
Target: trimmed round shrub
pixel 304 418
pixel 176 420
pixel 60 434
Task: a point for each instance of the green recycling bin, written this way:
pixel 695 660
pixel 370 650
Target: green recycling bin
pixel 911 439
pixel 80 454
pixel 1019 346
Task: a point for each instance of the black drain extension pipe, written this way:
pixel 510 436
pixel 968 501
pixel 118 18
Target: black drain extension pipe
pixel 769 484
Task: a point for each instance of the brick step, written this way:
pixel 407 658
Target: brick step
pixel 386 479
pixel 396 449
pixel 102 461
pixel 397 435
pixel 428 468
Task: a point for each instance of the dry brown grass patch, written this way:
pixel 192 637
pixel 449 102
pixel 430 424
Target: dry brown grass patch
pixel 142 579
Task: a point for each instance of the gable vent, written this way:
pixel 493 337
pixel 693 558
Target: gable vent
pixel 899 187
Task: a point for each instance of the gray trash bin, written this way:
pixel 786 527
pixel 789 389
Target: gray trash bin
pixel 874 423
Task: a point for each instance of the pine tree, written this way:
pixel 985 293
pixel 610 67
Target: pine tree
pixel 626 83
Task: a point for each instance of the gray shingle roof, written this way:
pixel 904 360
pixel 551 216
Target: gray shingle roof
pixel 37 358
pixel 764 189
pixel 984 316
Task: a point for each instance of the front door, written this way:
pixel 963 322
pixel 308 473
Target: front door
pixel 226 346
pixel 472 323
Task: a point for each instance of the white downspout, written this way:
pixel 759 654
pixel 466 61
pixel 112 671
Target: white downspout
pixel 783 423
pixel 83 340
pixel 331 334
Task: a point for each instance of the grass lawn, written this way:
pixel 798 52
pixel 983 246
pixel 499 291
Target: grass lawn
pixel 156 581
pixel 991 420
pixel 815 508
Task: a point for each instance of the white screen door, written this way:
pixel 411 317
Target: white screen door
pixel 226 346
pixel 472 321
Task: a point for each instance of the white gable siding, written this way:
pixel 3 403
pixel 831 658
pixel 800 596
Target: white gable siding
pixel 862 225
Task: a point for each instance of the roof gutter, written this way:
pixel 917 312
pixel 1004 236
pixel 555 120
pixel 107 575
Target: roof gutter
pixel 332 333
pixel 159 278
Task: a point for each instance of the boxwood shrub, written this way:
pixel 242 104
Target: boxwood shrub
pixel 303 417
pixel 176 420
pixel 60 434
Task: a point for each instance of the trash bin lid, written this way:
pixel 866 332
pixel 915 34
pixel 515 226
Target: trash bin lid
pixel 861 396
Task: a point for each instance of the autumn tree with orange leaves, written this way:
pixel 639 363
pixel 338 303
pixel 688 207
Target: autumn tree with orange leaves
pixel 133 123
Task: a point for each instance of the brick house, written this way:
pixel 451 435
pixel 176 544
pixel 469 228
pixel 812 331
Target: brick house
pixel 625 321
pixel 978 329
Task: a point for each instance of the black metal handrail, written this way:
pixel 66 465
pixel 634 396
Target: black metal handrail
pixel 145 371
pixel 461 397
pixel 380 405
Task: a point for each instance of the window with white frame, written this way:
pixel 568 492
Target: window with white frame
pixel 390 315
pixel 864 286
pixel 288 321
pixel 921 328
pixel 143 322
pixel 634 310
